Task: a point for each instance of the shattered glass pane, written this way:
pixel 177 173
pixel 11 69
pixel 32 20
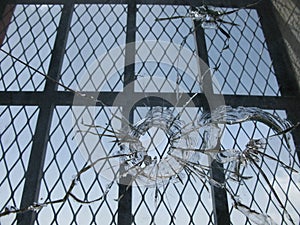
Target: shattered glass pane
pixel 167 149
pixel 152 171
pixel 276 159
pixel 181 149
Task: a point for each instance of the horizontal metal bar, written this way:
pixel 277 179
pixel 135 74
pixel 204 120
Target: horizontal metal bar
pixel 221 3
pixel 108 98
pixel 57 98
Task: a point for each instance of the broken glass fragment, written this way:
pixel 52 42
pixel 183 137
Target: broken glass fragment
pixel 151 170
pixel 256 217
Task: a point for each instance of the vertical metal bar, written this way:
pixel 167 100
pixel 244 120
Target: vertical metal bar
pixel 130 43
pixel 35 167
pixel 59 46
pixel 34 171
pixel 220 201
pixel 285 74
pixel 219 195
pixel 283 68
pixel 125 194
pixel 125 189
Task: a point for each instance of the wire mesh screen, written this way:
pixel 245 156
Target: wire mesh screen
pixel 30 36
pixel 64 160
pixel 95 30
pixel 16 143
pixel 115 114
pixel 174 203
pixel 255 191
pixel 246 68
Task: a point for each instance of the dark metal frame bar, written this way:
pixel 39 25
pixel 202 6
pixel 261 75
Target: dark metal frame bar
pixel 47 99
pixel 221 3
pixel 219 195
pixel 286 76
pixel 66 98
pixel 125 189
pixel 34 171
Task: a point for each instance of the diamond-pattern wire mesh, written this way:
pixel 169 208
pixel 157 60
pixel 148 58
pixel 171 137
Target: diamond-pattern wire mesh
pixel 245 68
pixel 16 131
pixel 255 192
pixel 70 148
pixel 190 202
pixel 95 47
pixel 157 63
pixel 176 203
pixel 30 37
